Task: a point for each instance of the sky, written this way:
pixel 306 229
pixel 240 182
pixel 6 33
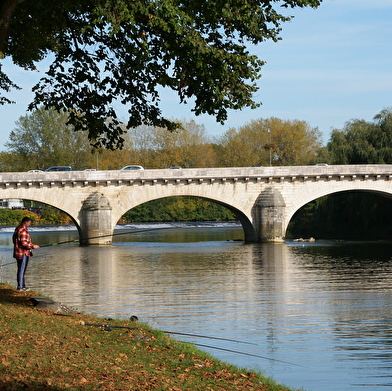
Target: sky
pixel 333 65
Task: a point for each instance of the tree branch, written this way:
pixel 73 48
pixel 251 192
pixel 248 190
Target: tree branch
pixel 7 8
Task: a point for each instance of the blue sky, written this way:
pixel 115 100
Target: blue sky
pixel 332 65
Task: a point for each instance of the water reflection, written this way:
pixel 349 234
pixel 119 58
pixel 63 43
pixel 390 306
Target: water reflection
pixel 325 306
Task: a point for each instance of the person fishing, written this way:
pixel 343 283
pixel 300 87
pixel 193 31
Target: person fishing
pixel 23 247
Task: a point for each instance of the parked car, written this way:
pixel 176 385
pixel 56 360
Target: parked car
pixel 34 171
pixel 60 168
pixel 174 168
pixel 132 167
pixel 90 169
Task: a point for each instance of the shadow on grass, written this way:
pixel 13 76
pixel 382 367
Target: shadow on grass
pixel 12 295
pixel 13 385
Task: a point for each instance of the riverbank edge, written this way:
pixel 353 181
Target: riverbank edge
pixel 47 350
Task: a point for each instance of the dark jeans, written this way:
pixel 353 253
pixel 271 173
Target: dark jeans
pixel 22 266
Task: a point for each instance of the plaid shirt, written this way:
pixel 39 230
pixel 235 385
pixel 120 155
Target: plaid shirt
pixel 22 242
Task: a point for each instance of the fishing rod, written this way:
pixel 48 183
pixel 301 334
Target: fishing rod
pixel 206 336
pixel 105 236
pixel 249 354
pixel 9 263
pixel 108 327
pixel 95 237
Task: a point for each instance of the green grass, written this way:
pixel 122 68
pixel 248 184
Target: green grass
pixel 43 350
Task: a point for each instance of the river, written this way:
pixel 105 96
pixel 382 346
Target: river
pixel 315 316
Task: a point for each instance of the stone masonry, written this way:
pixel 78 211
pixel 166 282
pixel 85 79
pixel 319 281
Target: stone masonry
pixel 263 198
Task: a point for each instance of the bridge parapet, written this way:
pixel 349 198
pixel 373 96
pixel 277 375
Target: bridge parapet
pixel 196 176
pixel 188 181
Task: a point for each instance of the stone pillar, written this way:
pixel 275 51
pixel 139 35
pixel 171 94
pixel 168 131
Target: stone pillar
pixel 95 220
pixel 269 218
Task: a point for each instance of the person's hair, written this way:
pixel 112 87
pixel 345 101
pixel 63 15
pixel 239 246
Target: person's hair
pixel 25 219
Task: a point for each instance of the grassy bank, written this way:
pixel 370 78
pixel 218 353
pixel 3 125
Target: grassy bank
pixel 44 350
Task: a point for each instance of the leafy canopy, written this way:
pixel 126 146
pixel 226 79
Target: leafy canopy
pixel 107 52
pixel 270 141
pixel 363 142
pixel 43 139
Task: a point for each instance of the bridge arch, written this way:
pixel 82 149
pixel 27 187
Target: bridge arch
pixel 247 226
pixel 386 193
pixel 313 197
pixel 56 206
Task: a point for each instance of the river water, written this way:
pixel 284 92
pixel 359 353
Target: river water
pixel 315 316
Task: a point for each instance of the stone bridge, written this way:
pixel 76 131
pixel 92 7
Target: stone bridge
pixel 264 199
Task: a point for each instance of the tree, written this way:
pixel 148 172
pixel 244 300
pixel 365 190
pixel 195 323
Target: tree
pixel 181 208
pixel 281 142
pixel 44 139
pixel 121 50
pixel 188 146
pixel 363 142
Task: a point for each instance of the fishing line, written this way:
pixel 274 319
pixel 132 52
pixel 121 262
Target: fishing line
pixel 39 255
pixel 108 326
pixel 94 237
pixel 105 236
pixel 204 336
pixel 9 263
pixel 249 354
pixel 51 253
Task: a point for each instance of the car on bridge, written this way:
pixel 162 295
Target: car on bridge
pixel 60 168
pixel 132 167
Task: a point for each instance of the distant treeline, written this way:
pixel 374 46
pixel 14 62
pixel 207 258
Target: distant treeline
pixel 161 210
pixel 350 215
pixel 178 209
pixel 47 216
